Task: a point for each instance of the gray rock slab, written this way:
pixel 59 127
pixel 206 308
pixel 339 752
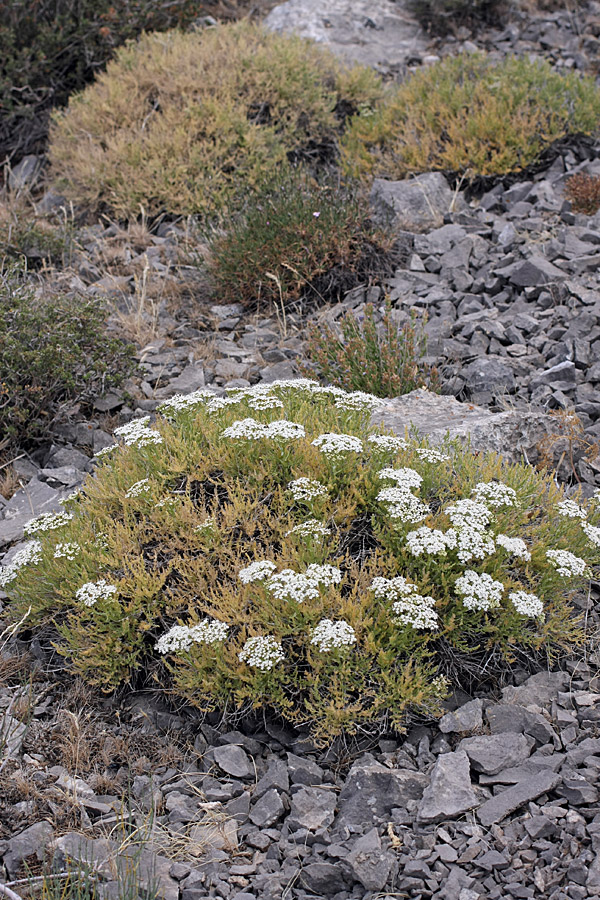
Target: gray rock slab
pixel 30 501
pixel 267 810
pixel 450 793
pixel 501 805
pixel 539 690
pixel 503 717
pixel 31 842
pixel 468 717
pixel 490 753
pixel 322 878
pixel 377 33
pixel 413 204
pixel 513 434
pixel 311 808
pixel 234 760
pixel 370 864
pixel 488 374
pixel 152 870
pixel 372 790
pixel 533 272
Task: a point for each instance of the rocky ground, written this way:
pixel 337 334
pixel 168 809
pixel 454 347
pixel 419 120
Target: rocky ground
pixel 499 798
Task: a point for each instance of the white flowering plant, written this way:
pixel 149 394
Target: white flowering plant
pixel 271 548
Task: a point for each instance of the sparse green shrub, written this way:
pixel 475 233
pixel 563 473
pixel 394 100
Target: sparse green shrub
pixel 50 48
pixel 297 238
pixel 53 349
pixel 442 17
pixel 386 362
pixel 189 123
pixel 270 549
pixel 584 193
pixel 471 115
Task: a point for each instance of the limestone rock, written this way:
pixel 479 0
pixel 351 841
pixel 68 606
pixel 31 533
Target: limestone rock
pixel 413 204
pixel 377 33
pixel 511 434
pixel 450 793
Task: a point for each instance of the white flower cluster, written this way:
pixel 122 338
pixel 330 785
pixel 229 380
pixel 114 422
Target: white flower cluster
pixel 106 451
pixel 566 563
pixel 207 525
pixel 262 652
pixel 324 573
pixel 68 550
pixel 592 533
pixel 479 591
pixel 306 489
pixel 471 519
pixel 571 510
pixel 426 454
pixel 137 434
pixel 358 400
pixel 329 635
pixel 387 442
pixel 47 522
pixel 406 479
pixel 469 514
pixel 290 585
pixel 300 586
pixel 250 429
pixel 409 606
pixel 338 444
pixel 93 591
pixel 494 493
pixel 257 571
pixel 515 546
pixel 431 541
pixel 29 553
pixel 140 487
pixel 527 604
pixel 403 505
pixel 180 402
pixel 310 528
pixel 181 637
pixel 264 402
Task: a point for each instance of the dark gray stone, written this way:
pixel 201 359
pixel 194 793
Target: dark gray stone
pixel 233 759
pixel 31 842
pixel 323 878
pixel 501 805
pixel 267 810
pixel 371 791
pixel 450 793
pixel 492 753
pixel 311 808
pixel 370 864
pixel 468 718
pixel 503 717
pixel 488 374
pixel 413 204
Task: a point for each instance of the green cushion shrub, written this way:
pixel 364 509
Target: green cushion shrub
pixel 54 351
pixel 50 48
pixel 189 123
pixel 270 549
pixel 471 115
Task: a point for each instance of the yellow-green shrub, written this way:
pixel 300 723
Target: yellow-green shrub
pixel 156 543
pixel 187 123
pixel 469 114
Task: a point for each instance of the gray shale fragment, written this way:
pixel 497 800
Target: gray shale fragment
pixel 450 793
pixel 501 805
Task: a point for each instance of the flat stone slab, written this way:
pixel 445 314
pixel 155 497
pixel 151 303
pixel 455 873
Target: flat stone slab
pixel 377 33
pixel 30 501
pixel 501 805
pixel 513 434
